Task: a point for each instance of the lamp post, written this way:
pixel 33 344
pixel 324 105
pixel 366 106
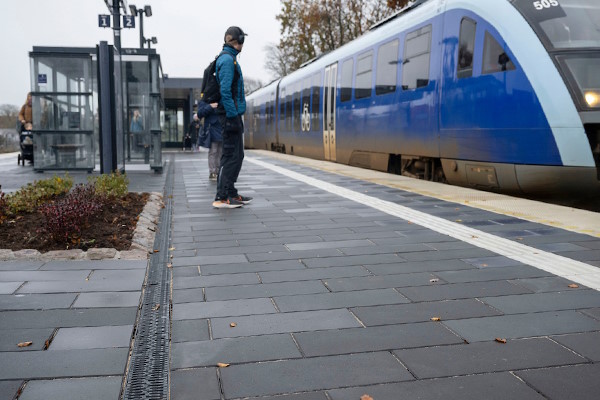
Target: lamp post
pixel 141 11
pixel 152 40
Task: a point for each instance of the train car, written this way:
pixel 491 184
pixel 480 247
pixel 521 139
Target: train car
pixel 502 95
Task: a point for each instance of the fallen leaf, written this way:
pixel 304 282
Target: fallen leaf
pixel 484 265
pixel 366 397
pixel 222 365
pixel 46 344
pixel 459 220
pixel 434 280
pixel 233 324
pixel 500 340
pixel 156 251
pixel 519 238
pixel 156 307
pixel 436 319
pixel 171 248
pixel 25 344
pixel 474 237
pixel 573 285
pixel 465 341
pixel 169 265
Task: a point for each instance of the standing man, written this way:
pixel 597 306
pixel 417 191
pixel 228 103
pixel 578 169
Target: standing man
pixel 194 130
pixel 231 108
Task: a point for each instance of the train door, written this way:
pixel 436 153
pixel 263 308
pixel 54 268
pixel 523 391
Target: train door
pixel 329 112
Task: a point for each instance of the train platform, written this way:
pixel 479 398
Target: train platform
pixel 334 283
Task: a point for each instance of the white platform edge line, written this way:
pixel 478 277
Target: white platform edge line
pixel 564 267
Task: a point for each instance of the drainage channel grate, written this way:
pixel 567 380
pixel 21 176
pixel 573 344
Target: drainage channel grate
pixel 148 372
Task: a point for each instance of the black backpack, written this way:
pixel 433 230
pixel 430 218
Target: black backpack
pixel 211 92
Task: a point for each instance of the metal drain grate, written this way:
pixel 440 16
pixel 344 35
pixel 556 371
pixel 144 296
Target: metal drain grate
pixel 148 372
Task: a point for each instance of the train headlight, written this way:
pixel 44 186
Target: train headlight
pixel 592 99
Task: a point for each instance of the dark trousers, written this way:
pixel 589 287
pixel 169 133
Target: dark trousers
pixel 231 164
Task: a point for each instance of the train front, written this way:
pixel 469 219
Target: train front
pixel 570 32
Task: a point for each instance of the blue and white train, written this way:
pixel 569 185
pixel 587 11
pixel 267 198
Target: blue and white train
pixel 502 95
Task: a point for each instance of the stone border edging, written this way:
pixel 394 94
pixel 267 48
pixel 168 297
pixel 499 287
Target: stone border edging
pixel 141 243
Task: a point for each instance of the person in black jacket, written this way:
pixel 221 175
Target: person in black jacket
pixel 193 131
pixel 212 137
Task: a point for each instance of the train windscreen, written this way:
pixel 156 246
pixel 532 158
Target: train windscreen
pixel 564 24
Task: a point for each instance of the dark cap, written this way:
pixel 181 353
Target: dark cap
pixel 236 34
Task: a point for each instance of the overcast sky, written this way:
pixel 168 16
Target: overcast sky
pixel 189 32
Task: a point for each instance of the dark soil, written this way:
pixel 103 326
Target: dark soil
pixel 112 227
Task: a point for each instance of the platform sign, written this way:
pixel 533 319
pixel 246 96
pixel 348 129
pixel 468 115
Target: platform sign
pixel 104 21
pixel 42 80
pixel 128 21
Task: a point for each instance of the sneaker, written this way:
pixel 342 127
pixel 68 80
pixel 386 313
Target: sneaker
pixel 243 199
pixel 228 203
pixel 212 177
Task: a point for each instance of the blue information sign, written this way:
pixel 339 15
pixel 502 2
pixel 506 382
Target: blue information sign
pixel 42 79
pixel 128 21
pixel 104 21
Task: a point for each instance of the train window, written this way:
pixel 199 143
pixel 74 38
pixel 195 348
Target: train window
pixel 466 48
pixel 288 113
pixel 282 105
pixel 316 101
pixel 417 52
pixel 297 111
pixel 346 91
pixel 495 58
pixel 387 68
pixel 305 110
pixel 364 73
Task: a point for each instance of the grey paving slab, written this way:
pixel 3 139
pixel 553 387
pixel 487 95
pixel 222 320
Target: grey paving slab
pixel 205 260
pixel 44 276
pixel 232 250
pixel 9 287
pixel 10 338
pixel 446 254
pixel 233 351
pixel 523 325
pixel 339 300
pixel 181 272
pixel 96 388
pixel 419 266
pixel 264 290
pixel 188 295
pixel 311 374
pixel 588 255
pixel 214 280
pixel 586 344
pixel 527 303
pixel 295 255
pixel 36 301
pixel 593 312
pixel 462 290
pixel 8 389
pixel 491 262
pixel 545 284
pixel 283 323
pixel 498 386
pixel 67 318
pixel 578 382
pixel 57 364
pixel 124 274
pixel 28 265
pixel 379 282
pixel 406 248
pixel 229 308
pixel 558 247
pixel 329 244
pixel 592 244
pixel 492 274
pixel 299 396
pixel 105 285
pixel 352 260
pixel 449 245
pixel 97 337
pixel 195 384
pixel 283 265
pixel 312 274
pixel 420 312
pixel 107 299
pixel 93 264
pixel 191 330
pixel 467 359
pixel 378 338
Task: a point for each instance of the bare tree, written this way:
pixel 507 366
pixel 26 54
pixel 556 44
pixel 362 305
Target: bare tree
pixel 8 116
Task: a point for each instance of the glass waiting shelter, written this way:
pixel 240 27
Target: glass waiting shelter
pixel 64 86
